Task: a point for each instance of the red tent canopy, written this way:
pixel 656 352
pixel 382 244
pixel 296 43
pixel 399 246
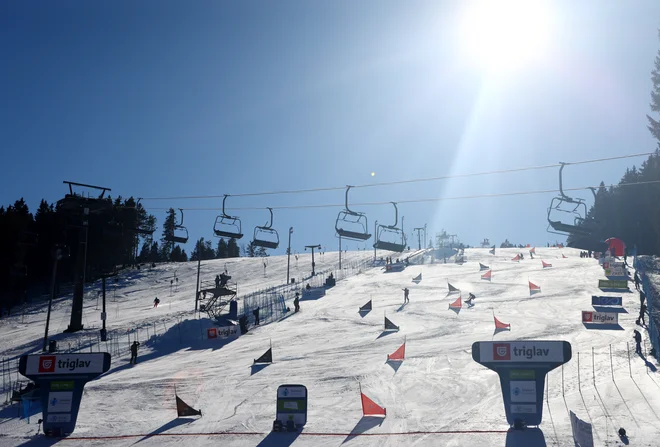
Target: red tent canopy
pixel 617 246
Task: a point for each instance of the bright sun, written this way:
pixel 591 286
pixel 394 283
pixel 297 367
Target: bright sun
pixel 500 35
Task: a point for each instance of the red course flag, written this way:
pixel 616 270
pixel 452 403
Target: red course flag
pixel 517 258
pixel 488 275
pixel 399 354
pixel 457 304
pixel 533 286
pixel 545 264
pixel 563 255
pixel 500 325
pixel 371 408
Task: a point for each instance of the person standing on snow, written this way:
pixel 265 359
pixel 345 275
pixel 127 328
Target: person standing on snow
pixel 642 313
pixel 134 350
pixel 406 292
pixel 156 301
pixel 296 302
pixel 638 342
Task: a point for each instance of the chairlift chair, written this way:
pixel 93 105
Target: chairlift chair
pixel 226 225
pixel 355 220
pixel 398 232
pixel 266 236
pixel 182 236
pixel 581 225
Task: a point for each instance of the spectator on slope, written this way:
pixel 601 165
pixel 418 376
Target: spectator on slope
pixel 242 322
pixel 637 280
pixel 296 302
pixel 134 351
pixel 406 292
pixel 223 279
pixel 308 287
pixel 255 312
pixel 642 297
pixel 217 281
pixel 638 342
pixel 156 301
pixel 642 312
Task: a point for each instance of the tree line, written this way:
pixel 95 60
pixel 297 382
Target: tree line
pixel 631 209
pixel 125 237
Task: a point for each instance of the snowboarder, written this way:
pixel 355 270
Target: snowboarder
pixel 470 299
pixel 531 254
pixel 217 281
pixel 255 312
pixel 406 292
pixel 296 302
pixel 134 350
pixel 223 279
pixel 638 341
pixel 156 301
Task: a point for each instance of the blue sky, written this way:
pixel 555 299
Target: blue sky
pixel 163 98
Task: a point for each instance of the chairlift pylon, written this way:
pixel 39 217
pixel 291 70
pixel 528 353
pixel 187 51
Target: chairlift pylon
pixel 226 225
pixel 355 220
pixel 179 238
pixel 265 236
pixel 398 232
pixel 581 225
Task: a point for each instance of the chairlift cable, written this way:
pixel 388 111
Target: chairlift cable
pixel 436 199
pixel 399 182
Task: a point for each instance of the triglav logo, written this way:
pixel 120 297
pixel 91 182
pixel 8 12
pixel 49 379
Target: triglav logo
pixel 501 351
pixel 47 364
pixel 587 317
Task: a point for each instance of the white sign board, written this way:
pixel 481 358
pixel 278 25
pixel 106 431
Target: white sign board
pixel 520 351
pixel 227 331
pixel 60 401
pixel 523 390
pixel 64 364
pixel 591 317
pixel 529 409
pixel 55 418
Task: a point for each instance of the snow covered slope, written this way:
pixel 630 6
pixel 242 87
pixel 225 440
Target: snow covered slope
pixel 329 347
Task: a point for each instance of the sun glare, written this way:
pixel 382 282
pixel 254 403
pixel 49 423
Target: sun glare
pixel 500 35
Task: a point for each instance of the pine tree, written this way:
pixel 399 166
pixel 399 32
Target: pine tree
pixel 145 251
pixel 168 233
pixel 154 253
pixel 222 251
pixel 232 249
pixel 654 125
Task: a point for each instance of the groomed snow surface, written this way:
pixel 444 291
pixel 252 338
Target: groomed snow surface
pixel 437 391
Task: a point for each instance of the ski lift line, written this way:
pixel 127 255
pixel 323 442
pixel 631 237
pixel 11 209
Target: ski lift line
pixel 437 199
pixel 399 182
